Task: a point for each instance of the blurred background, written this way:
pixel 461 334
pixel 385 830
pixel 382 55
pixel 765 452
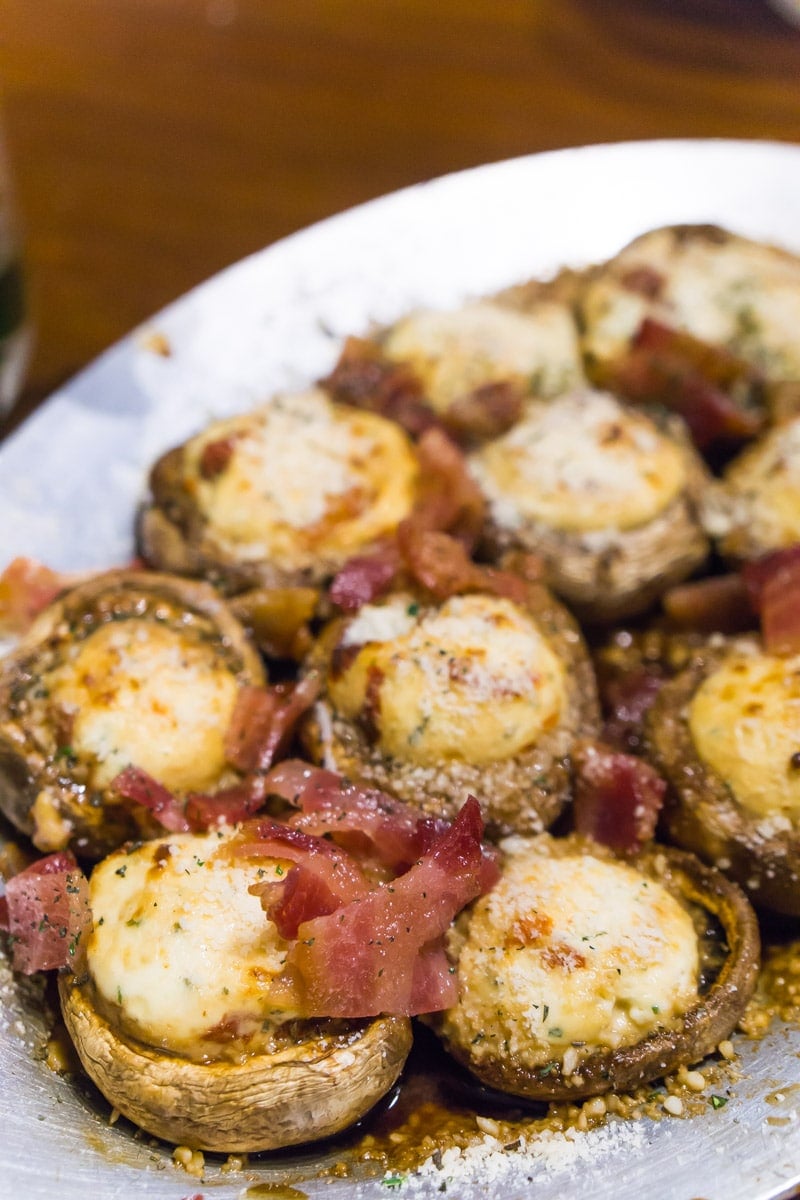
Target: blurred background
pixel 155 141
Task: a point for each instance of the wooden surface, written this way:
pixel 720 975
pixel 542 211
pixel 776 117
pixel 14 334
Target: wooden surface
pixel 155 141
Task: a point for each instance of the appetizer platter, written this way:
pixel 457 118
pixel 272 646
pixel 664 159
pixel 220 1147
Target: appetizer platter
pixel 411 589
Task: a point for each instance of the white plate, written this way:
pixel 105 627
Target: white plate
pixel 71 477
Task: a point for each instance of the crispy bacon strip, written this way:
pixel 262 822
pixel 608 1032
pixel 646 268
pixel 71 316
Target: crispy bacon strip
pixel 617 797
pixel 365 378
pixel 449 498
pixel 300 897
pixel 226 807
pixel 365 577
pixel 47 914
pixel 773 583
pixel 718 604
pixel 263 720
pixel 377 954
pixel 694 379
pixel 396 833
pixel 136 785
pixel 338 870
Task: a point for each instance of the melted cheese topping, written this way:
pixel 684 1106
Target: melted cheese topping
pixel 306 479
pixel 570 949
pixel 744 720
pixel 735 293
pixel 474 680
pixel 453 353
pixel 139 692
pixel 764 482
pixel 181 948
pixel 580 463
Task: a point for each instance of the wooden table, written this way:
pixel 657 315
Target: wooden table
pixel 155 141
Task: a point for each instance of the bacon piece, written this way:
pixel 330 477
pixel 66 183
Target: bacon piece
pixel 449 498
pixel 332 865
pixel 263 720
pixel 136 785
pixel 300 897
pixel 365 378
pixel 617 796
pixel 226 807
pixel 26 588
pixel 693 379
pixel 438 562
pixel 486 412
pixel 773 583
pixel 365 577
pixel 397 834
pixel 47 914
pixel 381 953
pixel 719 604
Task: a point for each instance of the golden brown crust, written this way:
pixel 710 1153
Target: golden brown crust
pixel 312 1088
pixel 524 794
pixel 39 784
pixel 711 1019
pixel 702 815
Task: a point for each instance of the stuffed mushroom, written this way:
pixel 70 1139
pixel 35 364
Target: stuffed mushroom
pixel 603 494
pixel 724 733
pixel 726 291
pixel 129 668
pixel 175 1017
pixel 581 973
pixel 476 694
pixel 278 497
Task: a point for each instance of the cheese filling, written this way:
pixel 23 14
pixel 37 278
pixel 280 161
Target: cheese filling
pixel 144 693
pixel 569 949
pixel 181 954
pixel 744 720
pixel 301 479
pixel 455 353
pixel 580 463
pixel 475 680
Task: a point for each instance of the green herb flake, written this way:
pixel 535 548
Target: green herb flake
pixel 719 1101
pixel 393 1181
pixel 121 870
